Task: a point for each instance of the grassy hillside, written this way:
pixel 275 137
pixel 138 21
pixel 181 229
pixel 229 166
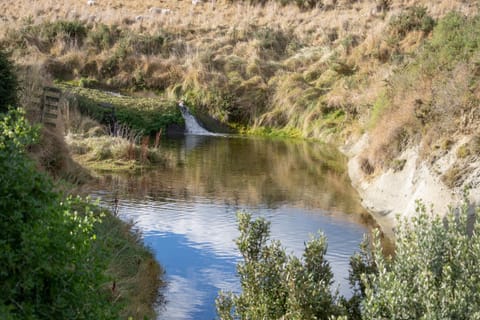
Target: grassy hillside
pixel 392 68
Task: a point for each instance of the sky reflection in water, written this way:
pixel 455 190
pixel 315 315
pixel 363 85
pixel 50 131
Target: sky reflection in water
pixel 187 210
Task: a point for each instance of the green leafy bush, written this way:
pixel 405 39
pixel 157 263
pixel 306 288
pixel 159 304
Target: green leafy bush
pixel 455 39
pixel 48 269
pixel 434 273
pixel 8 83
pixel 277 286
pixel 412 18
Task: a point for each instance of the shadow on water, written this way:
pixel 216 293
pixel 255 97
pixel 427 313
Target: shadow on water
pixel 249 172
pixel 186 209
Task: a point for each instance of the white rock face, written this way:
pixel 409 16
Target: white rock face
pixel 391 194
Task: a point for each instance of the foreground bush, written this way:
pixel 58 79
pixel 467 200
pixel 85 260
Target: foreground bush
pixel 275 285
pixel 433 274
pixel 48 269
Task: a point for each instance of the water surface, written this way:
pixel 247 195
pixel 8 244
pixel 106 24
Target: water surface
pixel 186 209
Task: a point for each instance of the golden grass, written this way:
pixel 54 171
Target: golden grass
pixel 184 15
pixel 273 66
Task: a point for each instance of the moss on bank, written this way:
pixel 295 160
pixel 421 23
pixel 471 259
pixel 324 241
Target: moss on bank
pixel 147 116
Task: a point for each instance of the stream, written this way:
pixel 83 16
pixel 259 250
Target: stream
pixel 186 210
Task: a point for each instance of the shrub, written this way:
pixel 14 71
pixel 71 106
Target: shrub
pixel 8 83
pixel 434 273
pixel 48 267
pixel 412 18
pixel 275 285
pixel 455 38
pixel 71 30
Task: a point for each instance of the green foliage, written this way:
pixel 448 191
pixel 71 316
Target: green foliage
pixel 146 115
pixel 48 269
pixel 102 37
pixel 8 83
pixel 455 38
pixel 275 285
pixel 412 18
pixel 362 265
pixel 73 30
pixel 434 273
pixel 379 107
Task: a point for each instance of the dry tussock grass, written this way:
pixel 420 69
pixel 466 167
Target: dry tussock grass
pixel 301 65
pixel 209 16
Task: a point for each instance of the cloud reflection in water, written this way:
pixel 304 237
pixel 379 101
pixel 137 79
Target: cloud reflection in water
pixel 187 210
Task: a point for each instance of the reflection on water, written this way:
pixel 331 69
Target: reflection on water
pixel 186 210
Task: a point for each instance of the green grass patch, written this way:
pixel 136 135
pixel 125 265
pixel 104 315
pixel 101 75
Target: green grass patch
pixel 145 115
pixel 379 108
pixel 271 132
pixel 455 39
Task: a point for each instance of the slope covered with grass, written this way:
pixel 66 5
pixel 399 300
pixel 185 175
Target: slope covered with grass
pixel 404 72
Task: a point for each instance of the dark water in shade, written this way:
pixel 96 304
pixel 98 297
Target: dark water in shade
pixel 187 208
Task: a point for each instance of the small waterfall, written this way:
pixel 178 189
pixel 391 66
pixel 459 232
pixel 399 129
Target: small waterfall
pixel 191 124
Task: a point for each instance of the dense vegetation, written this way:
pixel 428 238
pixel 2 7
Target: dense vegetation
pixel 433 97
pixel 145 116
pixel 8 83
pixel 49 266
pixel 392 71
pixel 408 76
pixel 275 285
pixel 432 275
pixel 62 257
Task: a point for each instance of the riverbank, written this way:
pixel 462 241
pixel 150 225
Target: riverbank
pixel 135 276
pixel 63 256
pixel 405 73
pixel 394 192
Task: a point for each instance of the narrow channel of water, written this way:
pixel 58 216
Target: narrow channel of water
pixel 187 208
